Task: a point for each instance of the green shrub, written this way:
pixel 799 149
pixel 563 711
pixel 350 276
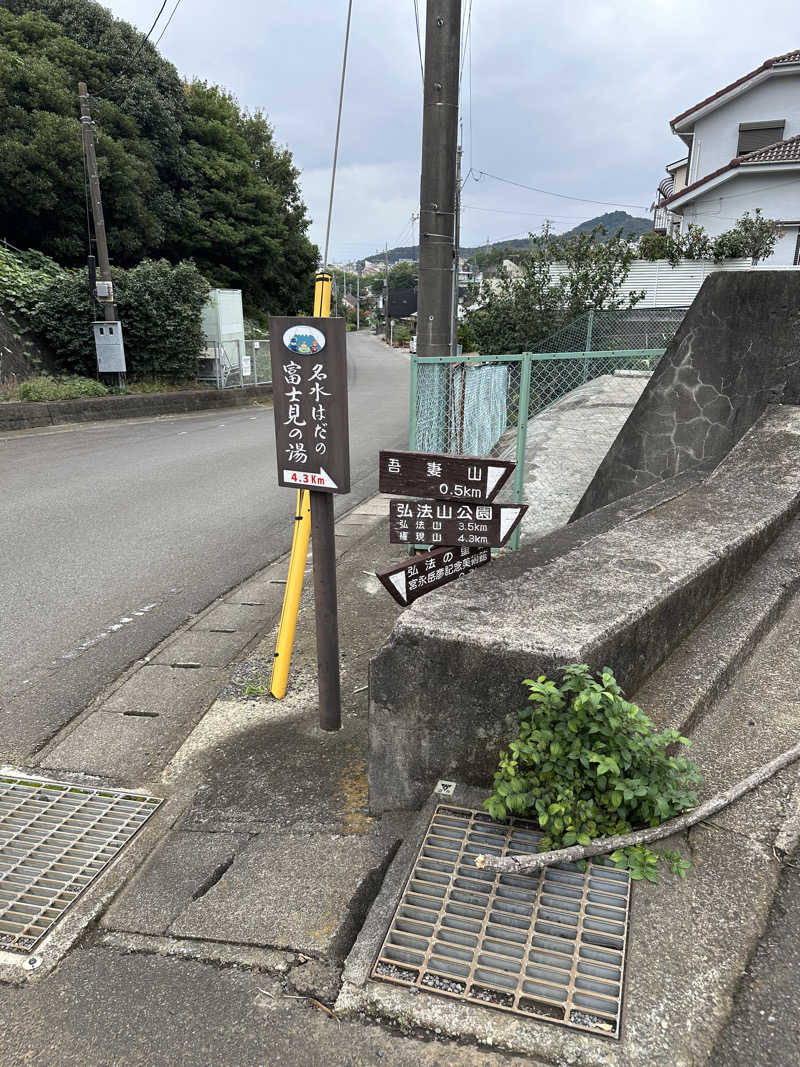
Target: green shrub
pixel 46 388
pixel 160 307
pixel 587 763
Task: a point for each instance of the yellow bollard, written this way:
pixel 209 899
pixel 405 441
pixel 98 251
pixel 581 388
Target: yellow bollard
pixel 302 535
pixel 291 598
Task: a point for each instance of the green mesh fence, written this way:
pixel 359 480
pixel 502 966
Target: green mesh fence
pixel 481 404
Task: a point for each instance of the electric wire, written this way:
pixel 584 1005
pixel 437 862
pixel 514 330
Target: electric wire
pixel 562 196
pixel 129 65
pixel 166 27
pixel 338 130
pixel 419 41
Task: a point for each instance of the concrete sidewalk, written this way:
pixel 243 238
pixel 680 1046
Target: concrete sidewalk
pixel 223 937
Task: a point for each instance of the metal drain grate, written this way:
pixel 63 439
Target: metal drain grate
pixel 549 945
pixel 55 839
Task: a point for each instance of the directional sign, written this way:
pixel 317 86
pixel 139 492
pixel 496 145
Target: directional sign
pixel 447 477
pixel 429 570
pixel 440 522
pixel 309 382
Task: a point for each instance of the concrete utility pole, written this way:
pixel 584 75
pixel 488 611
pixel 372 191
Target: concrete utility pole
pixel 109 307
pixel 386 294
pixel 456 258
pixel 438 181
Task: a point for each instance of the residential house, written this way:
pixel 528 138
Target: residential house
pixel 743 153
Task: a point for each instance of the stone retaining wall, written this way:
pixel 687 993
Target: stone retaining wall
pixel 26 416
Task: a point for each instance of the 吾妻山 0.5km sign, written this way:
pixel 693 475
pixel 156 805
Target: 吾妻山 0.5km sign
pixel 309 382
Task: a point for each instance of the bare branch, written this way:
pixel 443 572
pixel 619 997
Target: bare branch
pixel 536 860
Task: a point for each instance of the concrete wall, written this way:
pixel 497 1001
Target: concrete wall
pixel 737 350
pixel 445 691
pixel 28 416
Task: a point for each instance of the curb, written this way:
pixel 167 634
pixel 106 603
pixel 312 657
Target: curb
pixel 63 752
pixel 31 416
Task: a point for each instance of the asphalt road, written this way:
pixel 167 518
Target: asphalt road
pixel 113 533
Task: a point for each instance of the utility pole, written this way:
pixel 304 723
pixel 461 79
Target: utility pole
pixel 386 294
pixel 456 259
pixel 107 297
pixel 438 180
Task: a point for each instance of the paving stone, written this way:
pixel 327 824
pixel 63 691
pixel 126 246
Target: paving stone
pixel 247 617
pixel 208 649
pixel 139 727
pixel 182 867
pixel 306 892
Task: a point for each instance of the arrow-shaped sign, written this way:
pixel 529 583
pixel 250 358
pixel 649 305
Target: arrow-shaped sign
pixel 440 522
pixel 427 571
pixel 432 474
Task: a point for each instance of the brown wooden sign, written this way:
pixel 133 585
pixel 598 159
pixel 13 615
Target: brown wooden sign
pixel 432 474
pixel 427 571
pixel 309 382
pixel 444 522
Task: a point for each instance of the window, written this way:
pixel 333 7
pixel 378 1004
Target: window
pixel 755 135
pixel 797 251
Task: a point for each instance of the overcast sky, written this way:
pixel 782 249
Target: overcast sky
pixel 574 98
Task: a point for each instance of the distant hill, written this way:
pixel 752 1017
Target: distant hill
pixel 631 225
pixel 612 221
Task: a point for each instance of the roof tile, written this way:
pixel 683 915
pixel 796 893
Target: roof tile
pixel 776 61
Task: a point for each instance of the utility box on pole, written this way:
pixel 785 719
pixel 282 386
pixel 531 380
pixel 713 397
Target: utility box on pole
pixel 109 346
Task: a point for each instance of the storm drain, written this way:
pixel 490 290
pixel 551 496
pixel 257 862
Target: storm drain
pixel 55 839
pixel 549 945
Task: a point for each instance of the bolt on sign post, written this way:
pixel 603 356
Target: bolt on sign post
pixel 309 381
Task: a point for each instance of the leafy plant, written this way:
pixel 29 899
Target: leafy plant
pixel 587 764
pixel 46 388
pixel 753 236
pixel 515 310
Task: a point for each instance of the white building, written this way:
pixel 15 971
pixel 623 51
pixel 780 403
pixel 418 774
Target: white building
pixel 743 153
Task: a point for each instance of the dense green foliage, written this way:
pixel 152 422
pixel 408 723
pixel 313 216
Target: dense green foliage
pixel 160 307
pixel 47 388
pixel 514 313
pixel 753 237
pixel 184 171
pixel 587 764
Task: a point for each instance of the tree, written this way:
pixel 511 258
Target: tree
pixel 514 313
pixel 185 171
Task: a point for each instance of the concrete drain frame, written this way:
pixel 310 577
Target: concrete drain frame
pixel 56 838
pixel 549 945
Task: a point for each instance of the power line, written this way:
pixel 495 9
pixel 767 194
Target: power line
pixel 177 5
pixel 129 65
pixel 338 130
pixel 467 28
pixel 419 41
pixel 561 196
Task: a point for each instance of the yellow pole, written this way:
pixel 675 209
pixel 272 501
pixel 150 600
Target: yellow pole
pixel 302 534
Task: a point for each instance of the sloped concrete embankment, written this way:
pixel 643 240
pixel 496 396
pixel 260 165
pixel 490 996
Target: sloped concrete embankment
pixel 30 416
pixel 622 588
pixel 737 350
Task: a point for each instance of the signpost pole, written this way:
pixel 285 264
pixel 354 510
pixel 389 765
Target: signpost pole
pixel 324 550
pixel 522 437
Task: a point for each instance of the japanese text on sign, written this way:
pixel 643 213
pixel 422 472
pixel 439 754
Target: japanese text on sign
pixel 430 474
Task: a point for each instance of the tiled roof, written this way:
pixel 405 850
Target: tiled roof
pixel 776 61
pixel 787 151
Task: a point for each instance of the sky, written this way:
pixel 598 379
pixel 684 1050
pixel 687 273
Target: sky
pixel 572 98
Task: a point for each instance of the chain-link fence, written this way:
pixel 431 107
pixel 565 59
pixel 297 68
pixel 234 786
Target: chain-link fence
pixel 480 405
pixel 234 364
